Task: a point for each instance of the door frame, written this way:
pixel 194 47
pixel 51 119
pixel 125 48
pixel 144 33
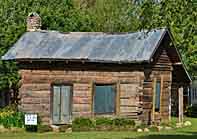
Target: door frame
pixel 51 101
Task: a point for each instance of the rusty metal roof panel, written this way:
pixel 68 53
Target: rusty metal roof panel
pixel 94 47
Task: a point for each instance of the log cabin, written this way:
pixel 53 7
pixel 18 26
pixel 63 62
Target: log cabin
pixel 136 75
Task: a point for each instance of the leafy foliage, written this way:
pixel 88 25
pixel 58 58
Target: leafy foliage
pixel 9 117
pixel 103 121
pixel 102 124
pixel 191 111
pixel 13 25
pixel 180 16
pixel 83 124
pixel 123 122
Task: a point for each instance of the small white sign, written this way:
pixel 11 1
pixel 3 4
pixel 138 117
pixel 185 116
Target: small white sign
pixel 31 119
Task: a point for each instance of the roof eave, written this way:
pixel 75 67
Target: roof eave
pixel 158 44
pixel 78 60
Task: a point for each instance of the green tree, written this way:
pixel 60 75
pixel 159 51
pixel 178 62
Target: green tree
pixel 57 14
pixel 180 16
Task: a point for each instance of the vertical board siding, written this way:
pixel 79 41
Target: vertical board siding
pixel 180 92
pixel 65 104
pixel 118 98
pixel 153 99
pixel 56 104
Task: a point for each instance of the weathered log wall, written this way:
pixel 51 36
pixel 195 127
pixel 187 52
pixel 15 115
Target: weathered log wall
pixel 35 91
pixel 161 71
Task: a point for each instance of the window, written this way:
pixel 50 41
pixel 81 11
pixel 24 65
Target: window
pixel 104 99
pixel 157 96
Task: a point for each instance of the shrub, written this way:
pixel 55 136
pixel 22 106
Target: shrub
pixel 102 121
pixel 123 122
pixel 9 117
pixel 191 111
pixel 104 124
pixel 83 124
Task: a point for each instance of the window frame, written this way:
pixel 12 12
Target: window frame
pixel 114 85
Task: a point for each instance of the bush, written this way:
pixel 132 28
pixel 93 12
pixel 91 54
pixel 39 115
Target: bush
pixel 83 124
pixel 191 111
pixel 123 122
pixel 104 121
pixel 102 124
pixel 9 117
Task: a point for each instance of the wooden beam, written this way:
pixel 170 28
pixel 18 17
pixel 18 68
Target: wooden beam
pixel 92 98
pixel 153 100
pixel 177 63
pixel 180 94
pixel 118 99
pixel 161 95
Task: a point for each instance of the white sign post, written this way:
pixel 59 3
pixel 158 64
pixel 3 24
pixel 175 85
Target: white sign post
pixel 31 119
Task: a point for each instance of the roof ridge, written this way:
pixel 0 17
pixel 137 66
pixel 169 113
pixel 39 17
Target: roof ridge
pixel 100 33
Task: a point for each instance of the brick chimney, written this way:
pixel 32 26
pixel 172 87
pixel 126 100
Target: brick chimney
pixel 33 22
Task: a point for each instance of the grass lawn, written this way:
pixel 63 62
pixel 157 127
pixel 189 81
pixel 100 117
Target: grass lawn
pixel 184 133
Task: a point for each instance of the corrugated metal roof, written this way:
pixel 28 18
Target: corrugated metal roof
pixel 94 47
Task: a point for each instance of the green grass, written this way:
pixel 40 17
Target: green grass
pixel 183 133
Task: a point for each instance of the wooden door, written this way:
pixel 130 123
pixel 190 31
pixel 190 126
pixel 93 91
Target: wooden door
pixel 61 104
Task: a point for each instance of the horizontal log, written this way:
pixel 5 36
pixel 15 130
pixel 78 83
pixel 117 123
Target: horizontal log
pixel 35 87
pixel 81 107
pixel 128 109
pixel 82 100
pixel 79 114
pixel 81 86
pixel 30 100
pixel 129 102
pixel 82 93
pixel 35 94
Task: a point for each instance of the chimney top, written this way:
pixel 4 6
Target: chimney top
pixel 33 22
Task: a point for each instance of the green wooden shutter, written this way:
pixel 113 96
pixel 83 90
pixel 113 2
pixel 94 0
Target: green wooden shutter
pixel 56 104
pixel 157 96
pixel 65 104
pixel 104 99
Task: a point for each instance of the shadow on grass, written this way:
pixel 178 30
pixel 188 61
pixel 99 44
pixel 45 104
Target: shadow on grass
pixel 192 136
